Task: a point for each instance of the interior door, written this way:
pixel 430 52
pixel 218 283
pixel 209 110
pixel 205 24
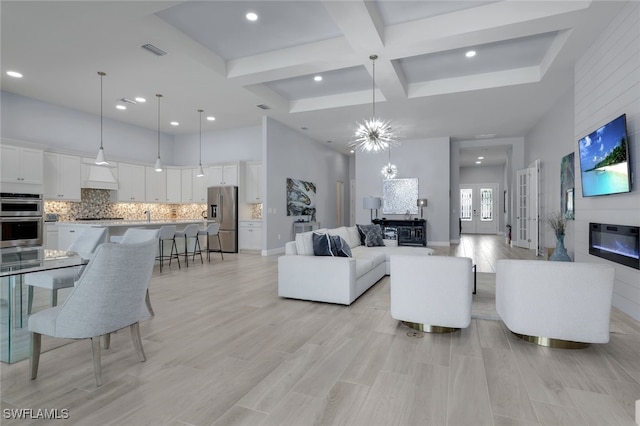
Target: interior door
pixel 527 223
pixel 479 208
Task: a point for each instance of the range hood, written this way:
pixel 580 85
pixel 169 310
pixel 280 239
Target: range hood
pixel 98 177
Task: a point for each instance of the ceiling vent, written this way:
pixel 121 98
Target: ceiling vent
pixel 151 48
pixel 263 106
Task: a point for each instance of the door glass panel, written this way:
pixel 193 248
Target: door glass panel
pixel 466 203
pixel 486 204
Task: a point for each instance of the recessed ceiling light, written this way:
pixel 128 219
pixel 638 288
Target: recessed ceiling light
pixel 15 74
pixel 252 16
pixel 470 54
pixel 480 158
pixel 141 100
pixel 211 118
pixel 317 78
pixel 174 123
pixel 352 151
pixel 478 162
pixel 121 107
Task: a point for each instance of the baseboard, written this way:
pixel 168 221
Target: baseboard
pixel 273 252
pixel 439 243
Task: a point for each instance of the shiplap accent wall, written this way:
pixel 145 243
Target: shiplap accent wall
pixel 607 84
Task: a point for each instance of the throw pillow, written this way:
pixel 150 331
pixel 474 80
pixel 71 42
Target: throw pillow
pixel 328 245
pixel 370 235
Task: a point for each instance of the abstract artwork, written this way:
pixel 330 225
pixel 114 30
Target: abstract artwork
pixel 301 198
pixel 400 196
pixel 567 179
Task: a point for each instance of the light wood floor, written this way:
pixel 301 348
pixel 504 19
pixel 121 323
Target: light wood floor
pixel 223 349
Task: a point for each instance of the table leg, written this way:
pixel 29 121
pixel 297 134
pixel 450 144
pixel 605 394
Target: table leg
pixel 474 278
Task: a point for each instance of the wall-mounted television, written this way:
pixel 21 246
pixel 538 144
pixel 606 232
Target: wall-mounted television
pixel 604 159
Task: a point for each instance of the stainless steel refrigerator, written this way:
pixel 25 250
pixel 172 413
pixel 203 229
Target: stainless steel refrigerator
pixel 223 208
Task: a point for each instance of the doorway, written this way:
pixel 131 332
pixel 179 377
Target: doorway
pixel 479 208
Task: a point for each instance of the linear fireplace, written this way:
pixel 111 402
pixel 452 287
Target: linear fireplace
pixel 617 243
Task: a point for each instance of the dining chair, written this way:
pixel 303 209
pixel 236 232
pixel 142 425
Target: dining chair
pixel 133 236
pixel 212 230
pixel 109 296
pixel 190 231
pixel 84 244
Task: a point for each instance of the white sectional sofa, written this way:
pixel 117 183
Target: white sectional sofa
pixel 301 275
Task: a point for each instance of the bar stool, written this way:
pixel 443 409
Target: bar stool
pixel 212 230
pixel 167 233
pixel 190 231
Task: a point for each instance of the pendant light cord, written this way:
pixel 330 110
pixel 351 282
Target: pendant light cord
pixel 101 74
pixel 159 96
pixel 200 111
pixel 373 89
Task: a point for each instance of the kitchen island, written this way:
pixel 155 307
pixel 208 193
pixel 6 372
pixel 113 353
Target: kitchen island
pixel 68 230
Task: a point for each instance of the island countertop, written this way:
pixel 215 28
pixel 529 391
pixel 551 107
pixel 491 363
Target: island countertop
pixel 132 223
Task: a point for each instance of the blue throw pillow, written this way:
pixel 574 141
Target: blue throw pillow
pixel 330 245
pixel 370 235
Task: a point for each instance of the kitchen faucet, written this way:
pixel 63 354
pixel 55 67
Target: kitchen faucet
pixel 148 213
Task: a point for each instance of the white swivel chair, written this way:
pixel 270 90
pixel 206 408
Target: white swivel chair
pixel 191 231
pixel 167 233
pixel 85 244
pixel 108 296
pixel 431 293
pixel 212 230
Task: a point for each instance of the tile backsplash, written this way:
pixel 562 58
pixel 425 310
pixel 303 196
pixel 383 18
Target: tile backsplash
pixel 96 203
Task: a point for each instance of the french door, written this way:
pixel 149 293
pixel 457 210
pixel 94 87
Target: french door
pixel 479 208
pixel 527 214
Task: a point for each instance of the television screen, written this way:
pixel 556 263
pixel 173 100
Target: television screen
pixel 604 159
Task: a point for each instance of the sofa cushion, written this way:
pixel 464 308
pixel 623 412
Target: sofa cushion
pixel 354 236
pixel 330 245
pixel 372 235
pixel 363 266
pixel 362 252
pixel 304 244
pixel 341 231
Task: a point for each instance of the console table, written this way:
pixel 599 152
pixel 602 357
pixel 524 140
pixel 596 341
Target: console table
pixel 410 232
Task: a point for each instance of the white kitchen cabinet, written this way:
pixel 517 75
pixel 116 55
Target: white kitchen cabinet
pixel 62 177
pixel 199 187
pixel 67 234
pixel 131 182
pixel 51 236
pixel 187 185
pixel 222 175
pixel 250 235
pixel 253 183
pixel 155 185
pixel 174 186
pixel 21 165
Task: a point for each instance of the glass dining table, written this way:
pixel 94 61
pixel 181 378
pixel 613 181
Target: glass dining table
pixel 15 264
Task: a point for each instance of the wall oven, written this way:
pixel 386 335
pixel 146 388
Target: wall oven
pixel 21 220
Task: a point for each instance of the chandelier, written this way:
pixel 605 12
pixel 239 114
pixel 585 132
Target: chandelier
pixel 374 134
pixel 389 171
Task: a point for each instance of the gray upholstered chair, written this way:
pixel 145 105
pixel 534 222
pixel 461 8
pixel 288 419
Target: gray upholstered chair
pixel 167 233
pixel 108 296
pixel 190 231
pixel 85 244
pixel 212 230
pixel 133 236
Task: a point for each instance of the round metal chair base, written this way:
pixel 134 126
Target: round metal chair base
pixel 552 343
pixel 429 328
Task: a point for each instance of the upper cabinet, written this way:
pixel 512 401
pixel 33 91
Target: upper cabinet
pixel 222 175
pixel 61 177
pixel 131 182
pixel 21 165
pixel 186 185
pixel 253 182
pixel 174 186
pixel 155 185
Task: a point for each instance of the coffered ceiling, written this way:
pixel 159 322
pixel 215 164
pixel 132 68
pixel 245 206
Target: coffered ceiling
pixel 219 61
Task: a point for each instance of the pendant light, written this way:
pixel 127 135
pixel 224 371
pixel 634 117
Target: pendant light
pixel 100 158
pixel 158 165
pixel 389 171
pixel 200 171
pixel 374 134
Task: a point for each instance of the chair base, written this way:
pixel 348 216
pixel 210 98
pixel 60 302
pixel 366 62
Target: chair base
pixel 429 328
pixel 552 343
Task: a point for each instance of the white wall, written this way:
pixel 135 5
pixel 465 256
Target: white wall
pixel 62 129
pixel 289 154
pixel 550 140
pixel 425 159
pixel 218 146
pixel 607 84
